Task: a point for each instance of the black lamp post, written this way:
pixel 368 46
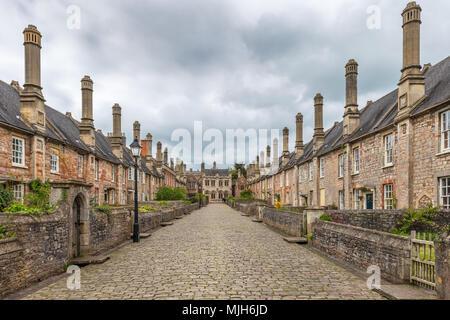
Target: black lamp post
pixel 136 151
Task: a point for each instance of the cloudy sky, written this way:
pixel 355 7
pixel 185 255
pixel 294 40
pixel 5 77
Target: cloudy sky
pixel 229 63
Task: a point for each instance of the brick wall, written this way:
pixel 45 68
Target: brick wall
pixel 361 248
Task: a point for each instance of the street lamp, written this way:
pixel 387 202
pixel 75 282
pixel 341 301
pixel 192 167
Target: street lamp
pixel 136 152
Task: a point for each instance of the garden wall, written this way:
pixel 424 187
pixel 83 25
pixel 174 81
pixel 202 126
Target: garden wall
pixel 362 248
pixel 38 251
pixel 291 223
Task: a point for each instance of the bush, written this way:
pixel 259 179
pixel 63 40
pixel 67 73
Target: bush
pixel 325 217
pixel 163 203
pixel 417 220
pixel 6 198
pixel 146 209
pixel 105 208
pixel 247 194
pixel 170 194
pixel 4 233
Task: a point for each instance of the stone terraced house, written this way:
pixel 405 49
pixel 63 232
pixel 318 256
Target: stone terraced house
pixel 393 153
pixel 216 183
pixel 37 141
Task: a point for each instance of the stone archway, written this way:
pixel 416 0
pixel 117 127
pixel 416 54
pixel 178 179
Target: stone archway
pixel 79 226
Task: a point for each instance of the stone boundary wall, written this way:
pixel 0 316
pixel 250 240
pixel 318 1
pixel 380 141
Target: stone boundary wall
pixel 39 250
pixel 381 220
pixel 291 223
pixel 362 248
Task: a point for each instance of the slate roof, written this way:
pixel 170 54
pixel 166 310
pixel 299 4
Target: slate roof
pixel 10 107
pixel 220 172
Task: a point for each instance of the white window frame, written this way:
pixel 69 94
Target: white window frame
pixel 300 174
pixel 311 171
pixel 112 196
pixel 80 165
pixel 322 167
pixel 341 162
pixel 445 131
pixel 356 160
pixel 444 192
pixel 388 142
pixel 18 191
pixel 341 200
pixel 18 151
pixel 287 178
pixel 113 173
pixel 356 201
pixel 388 196
pixel 96 165
pixel 54 162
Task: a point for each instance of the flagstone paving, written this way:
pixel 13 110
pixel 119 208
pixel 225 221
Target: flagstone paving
pixel 214 253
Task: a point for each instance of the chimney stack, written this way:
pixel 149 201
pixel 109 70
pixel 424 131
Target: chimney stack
pixel 203 168
pixel 32 102
pixel 137 131
pixel 299 147
pixel 276 159
pixel 285 154
pixel 268 157
pixel 116 138
pixel 159 153
pixel 87 129
pixel 261 158
pixel 412 82
pixel 351 115
pixel 166 156
pixel 172 166
pixel 148 145
pixel 319 136
pixel 214 165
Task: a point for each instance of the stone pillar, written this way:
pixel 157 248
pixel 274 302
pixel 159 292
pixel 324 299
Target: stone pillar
pixel 87 129
pixel 319 136
pixel 442 260
pixel 137 131
pixel 299 147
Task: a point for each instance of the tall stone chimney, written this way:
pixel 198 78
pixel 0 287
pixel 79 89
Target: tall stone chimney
pixel 319 136
pixel 412 82
pixel 203 168
pixel 172 165
pixel 351 115
pixel 268 157
pixel 137 131
pixel 299 147
pixel 116 138
pixel 87 130
pixel 261 158
pixel 32 102
pixel 285 154
pixel 214 165
pixel 159 153
pixel 166 156
pixel 276 159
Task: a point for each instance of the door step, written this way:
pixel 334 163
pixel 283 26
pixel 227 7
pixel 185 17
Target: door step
pixel 245 215
pixel 257 220
pixel 165 224
pixel 84 261
pixel 295 240
pixel 180 217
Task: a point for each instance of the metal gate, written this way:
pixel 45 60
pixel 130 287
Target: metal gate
pixel 423 272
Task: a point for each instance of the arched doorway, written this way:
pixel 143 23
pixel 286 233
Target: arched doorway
pixel 77 208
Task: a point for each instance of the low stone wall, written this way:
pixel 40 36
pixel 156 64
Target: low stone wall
pixel 381 220
pixel 442 257
pixel 250 207
pixel 108 230
pixel 190 207
pixel 168 214
pixel 291 223
pixel 38 251
pixel 149 220
pixel 362 248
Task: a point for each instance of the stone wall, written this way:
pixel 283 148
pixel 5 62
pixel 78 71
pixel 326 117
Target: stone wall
pixel 291 223
pixel 108 230
pixel 381 220
pixel 39 250
pixel 148 220
pixel 362 248
pixel 442 254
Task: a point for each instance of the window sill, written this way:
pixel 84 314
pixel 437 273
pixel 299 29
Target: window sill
pixel 19 166
pixel 355 174
pixel 442 153
pixel 340 177
pixel 55 173
pixel 387 166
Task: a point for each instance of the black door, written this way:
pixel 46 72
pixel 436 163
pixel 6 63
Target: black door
pixel 369 201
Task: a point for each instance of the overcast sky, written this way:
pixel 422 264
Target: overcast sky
pixel 230 63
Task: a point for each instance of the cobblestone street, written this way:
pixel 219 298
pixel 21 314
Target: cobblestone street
pixel 214 253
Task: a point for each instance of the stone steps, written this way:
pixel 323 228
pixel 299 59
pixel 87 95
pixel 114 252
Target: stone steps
pixel 296 240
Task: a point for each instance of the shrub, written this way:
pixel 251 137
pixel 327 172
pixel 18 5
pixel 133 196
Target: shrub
pixel 4 230
pixel 146 209
pixel 247 194
pixel 163 203
pixel 168 194
pixel 105 208
pixel 6 197
pixel 278 205
pixel 418 220
pixel 325 217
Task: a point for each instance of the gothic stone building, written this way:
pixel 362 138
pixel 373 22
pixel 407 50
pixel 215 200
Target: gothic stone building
pixel 216 183
pixel 393 153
